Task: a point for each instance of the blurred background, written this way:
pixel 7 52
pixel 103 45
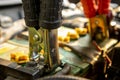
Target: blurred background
pixel 14 32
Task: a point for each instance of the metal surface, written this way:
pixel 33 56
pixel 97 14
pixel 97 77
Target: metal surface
pixel 51 47
pixel 44 39
pixel 84 47
pixel 35 43
pixel 43 18
pixel 98 28
pixel 8 68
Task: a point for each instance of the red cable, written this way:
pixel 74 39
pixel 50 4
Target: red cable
pixel 103 6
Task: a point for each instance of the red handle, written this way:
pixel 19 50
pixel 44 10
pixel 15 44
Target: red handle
pixel 89 8
pixel 103 6
pixel 93 7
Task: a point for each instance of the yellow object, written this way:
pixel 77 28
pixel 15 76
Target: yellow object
pixel 81 31
pixel 73 35
pixel 60 38
pixel 64 39
pixel 6 47
pixel 67 49
pixel 66 34
pixel 98 28
pixel 42 52
pixel 19 57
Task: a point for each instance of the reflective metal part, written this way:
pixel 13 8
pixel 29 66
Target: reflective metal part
pixel 44 39
pixel 98 28
pixel 51 48
pixel 35 43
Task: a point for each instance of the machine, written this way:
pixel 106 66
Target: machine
pixel 43 18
